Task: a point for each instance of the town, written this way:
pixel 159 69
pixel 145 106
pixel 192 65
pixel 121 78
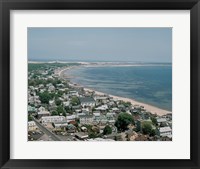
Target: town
pixel 59 110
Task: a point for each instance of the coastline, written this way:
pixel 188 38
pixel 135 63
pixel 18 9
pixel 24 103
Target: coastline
pixel 148 107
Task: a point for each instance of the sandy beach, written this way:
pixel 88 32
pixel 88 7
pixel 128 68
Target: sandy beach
pixel 150 108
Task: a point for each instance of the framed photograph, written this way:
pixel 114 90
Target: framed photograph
pixel 99 84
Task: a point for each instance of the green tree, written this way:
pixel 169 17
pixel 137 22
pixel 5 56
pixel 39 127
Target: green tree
pixel 45 97
pixel 75 101
pixel 154 121
pixel 30 118
pixel 153 132
pixel 107 130
pixel 64 113
pixel 54 113
pixel 146 128
pixel 60 93
pixel 123 120
pixel 60 110
pixel 58 102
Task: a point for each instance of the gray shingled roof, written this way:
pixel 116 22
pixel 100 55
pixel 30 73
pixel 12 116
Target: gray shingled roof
pixel 86 100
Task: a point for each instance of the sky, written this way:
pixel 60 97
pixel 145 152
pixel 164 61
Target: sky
pixel 100 44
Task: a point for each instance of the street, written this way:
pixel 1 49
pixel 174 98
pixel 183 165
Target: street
pixel 46 131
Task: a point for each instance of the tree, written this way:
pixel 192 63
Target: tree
pixel 58 102
pixel 64 113
pixel 123 120
pixel 75 101
pixel 126 104
pixel 30 118
pixel 45 97
pixel 153 132
pixel 154 121
pixel 60 93
pixel 146 128
pixel 107 130
pixel 68 109
pixel 60 110
pixel 54 113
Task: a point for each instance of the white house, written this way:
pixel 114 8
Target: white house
pixel 161 120
pixel 102 108
pixel 32 126
pixel 52 119
pixel 165 131
pixel 86 119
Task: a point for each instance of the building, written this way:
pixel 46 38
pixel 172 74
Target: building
pixel 32 126
pixel 52 119
pixel 31 109
pixel 87 101
pixel 59 125
pixel 43 113
pixel 73 93
pixel 161 120
pixel 51 88
pixel 165 131
pixel 97 116
pixel 70 118
pixel 86 119
pixel 102 108
pixel 81 135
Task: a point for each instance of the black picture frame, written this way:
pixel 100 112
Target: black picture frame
pixel 7 5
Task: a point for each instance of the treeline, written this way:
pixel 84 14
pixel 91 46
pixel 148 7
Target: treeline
pixel 43 66
pixel 54 82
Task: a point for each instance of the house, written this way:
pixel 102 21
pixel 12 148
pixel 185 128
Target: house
pixel 43 113
pixel 101 99
pixel 60 85
pixel 81 135
pixel 60 124
pixel 97 116
pixel 66 104
pixel 31 109
pixel 70 118
pixel 51 102
pixel 32 126
pixel 103 120
pixel 85 110
pixel 165 131
pixel 161 121
pixel 102 108
pixel 87 101
pixel 86 119
pixel 41 86
pixel 110 117
pixel 115 109
pixel 73 93
pixel 51 88
pixel 71 128
pixel 52 119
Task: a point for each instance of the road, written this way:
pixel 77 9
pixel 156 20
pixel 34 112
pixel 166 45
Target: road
pixel 46 131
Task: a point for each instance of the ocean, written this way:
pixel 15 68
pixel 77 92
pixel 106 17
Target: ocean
pixel 147 84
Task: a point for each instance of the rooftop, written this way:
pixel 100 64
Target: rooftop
pixel 165 129
pixel 86 99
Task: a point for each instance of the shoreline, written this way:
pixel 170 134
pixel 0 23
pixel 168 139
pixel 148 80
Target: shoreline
pixel 152 109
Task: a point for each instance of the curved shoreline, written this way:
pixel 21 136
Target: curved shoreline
pixel 148 107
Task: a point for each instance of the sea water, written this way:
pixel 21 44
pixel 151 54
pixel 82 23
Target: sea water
pixel 147 84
